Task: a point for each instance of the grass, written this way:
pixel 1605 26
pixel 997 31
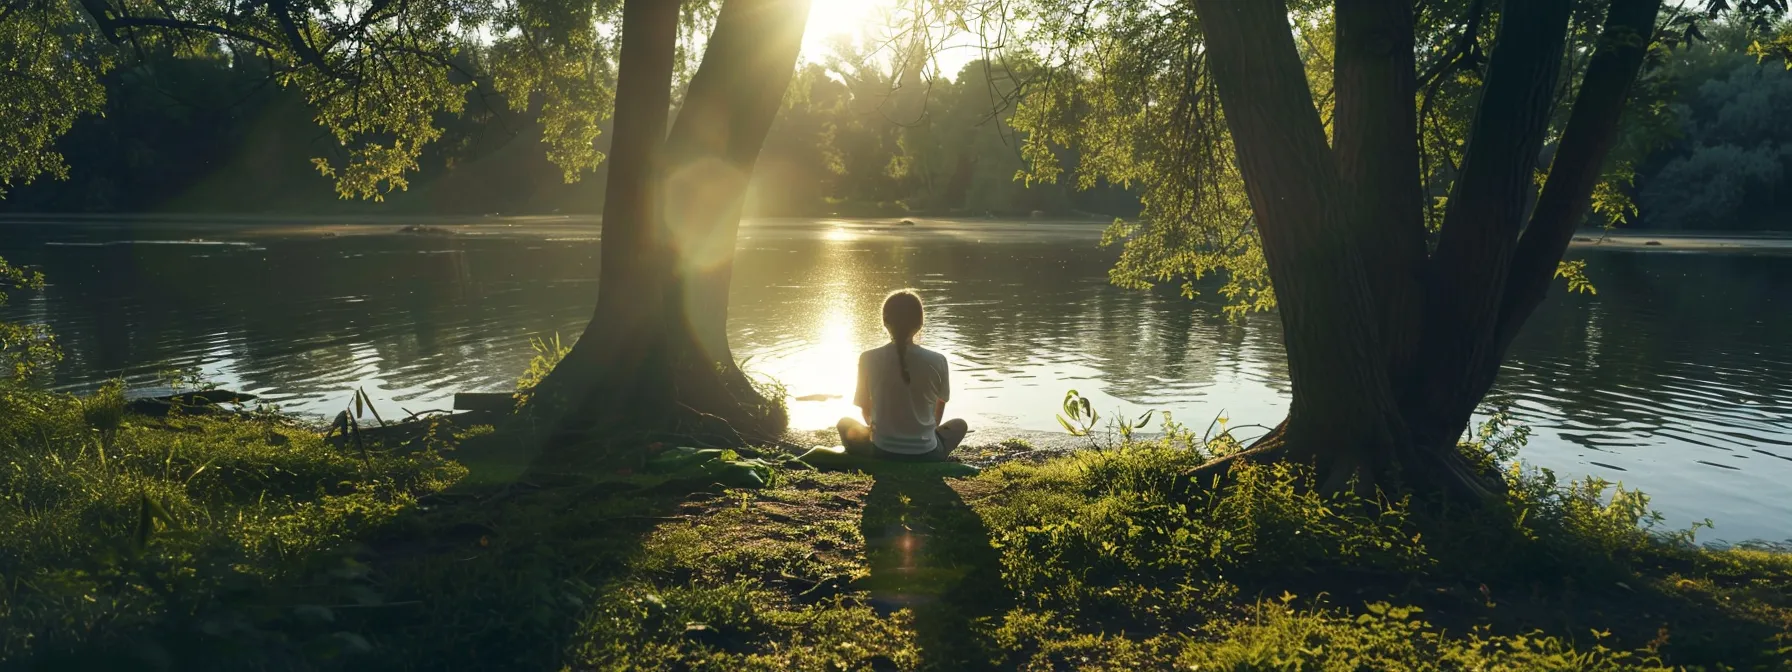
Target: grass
pixel 250 543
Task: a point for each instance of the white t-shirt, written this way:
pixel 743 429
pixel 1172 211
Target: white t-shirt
pixel 902 414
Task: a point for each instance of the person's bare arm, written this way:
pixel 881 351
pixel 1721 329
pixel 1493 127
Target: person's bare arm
pixel 939 412
pixel 861 396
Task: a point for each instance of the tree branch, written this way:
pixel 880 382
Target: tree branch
pixel 1486 207
pixel 1471 31
pixel 177 24
pixel 300 45
pixel 1592 130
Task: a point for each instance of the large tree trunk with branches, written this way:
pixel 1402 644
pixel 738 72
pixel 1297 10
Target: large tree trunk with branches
pixel 654 359
pixel 1390 348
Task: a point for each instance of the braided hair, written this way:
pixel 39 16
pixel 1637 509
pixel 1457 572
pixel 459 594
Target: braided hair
pixel 902 318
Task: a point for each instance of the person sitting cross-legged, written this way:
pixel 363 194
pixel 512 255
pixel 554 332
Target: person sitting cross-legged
pixel 902 391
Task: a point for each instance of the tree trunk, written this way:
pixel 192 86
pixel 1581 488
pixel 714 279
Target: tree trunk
pixel 729 109
pixel 654 357
pixel 1343 416
pixel 1567 193
pixel 1484 215
pixel 612 370
pixel 1389 352
pixel 1375 140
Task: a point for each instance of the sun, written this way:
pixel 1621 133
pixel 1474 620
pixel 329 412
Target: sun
pixel 831 18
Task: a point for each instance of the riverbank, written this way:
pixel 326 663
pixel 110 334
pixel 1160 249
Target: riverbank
pixel 1735 242
pixel 250 542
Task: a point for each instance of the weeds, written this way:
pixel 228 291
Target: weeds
pixel 547 356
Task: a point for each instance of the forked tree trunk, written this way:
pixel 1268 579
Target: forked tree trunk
pixel 1390 351
pixel 1531 257
pixel 654 356
pixel 1485 213
pixel 1343 415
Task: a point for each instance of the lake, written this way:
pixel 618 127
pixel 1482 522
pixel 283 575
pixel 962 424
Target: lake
pixel 1676 378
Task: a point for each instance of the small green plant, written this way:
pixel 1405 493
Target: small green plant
pixel 1497 441
pixel 1222 442
pixel 1575 272
pixel 775 395
pixel 1079 416
pixel 103 412
pixel 548 354
pixel 183 379
pixel 347 424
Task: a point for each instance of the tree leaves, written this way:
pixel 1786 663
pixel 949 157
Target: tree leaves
pixel 51 69
pixel 378 76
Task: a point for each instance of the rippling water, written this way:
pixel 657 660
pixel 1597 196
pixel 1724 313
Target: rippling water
pixel 1676 378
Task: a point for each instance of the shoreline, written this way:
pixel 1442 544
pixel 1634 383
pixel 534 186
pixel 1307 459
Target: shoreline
pixel 1666 241
pixel 1629 240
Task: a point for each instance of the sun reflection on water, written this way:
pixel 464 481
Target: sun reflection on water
pixel 823 373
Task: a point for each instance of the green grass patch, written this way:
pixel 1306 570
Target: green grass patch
pixel 248 542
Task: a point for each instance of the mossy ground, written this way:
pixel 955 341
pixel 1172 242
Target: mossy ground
pixel 250 543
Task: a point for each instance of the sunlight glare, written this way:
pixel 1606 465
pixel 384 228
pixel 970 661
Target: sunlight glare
pixel 829 19
pixel 826 368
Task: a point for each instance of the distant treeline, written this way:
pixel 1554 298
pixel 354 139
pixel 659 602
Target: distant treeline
pixel 210 135
pixel 1725 156
pixel 213 135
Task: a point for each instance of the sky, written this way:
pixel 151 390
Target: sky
pixel 831 19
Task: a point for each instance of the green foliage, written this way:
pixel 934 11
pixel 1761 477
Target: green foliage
pixel 1575 272
pixel 205 531
pixel 1121 532
pixel 1281 637
pixel 1497 441
pixel 862 136
pixel 26 350
pixel 553 56
pixel 547 356
pixel 379 77
pixel 1111 554
pixel 204 544
pixel 1144 114
pixel 1079 417
pixel 52 76
pixel 1730 147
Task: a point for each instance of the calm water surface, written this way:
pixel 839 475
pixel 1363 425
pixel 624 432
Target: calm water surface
pixel 1676 378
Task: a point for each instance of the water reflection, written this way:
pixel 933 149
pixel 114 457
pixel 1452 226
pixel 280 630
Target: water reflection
pixel 1676 377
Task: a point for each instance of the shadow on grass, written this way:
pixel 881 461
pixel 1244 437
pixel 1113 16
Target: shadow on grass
pixel 504 566
pixel 497 571
pixel 930 553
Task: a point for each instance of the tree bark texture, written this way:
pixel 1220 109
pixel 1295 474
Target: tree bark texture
pixel 1337 363
pixel 620 345
pixel 1375 140
pixel 1485 213
pixel 1391 349
pixel 727 112
pixel 655 349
